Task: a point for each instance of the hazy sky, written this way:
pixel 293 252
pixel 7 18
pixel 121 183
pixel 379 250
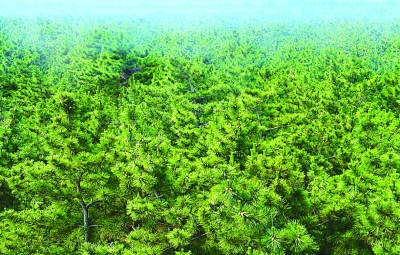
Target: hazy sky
pixel 121 7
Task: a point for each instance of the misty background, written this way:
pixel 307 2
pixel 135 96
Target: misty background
pixel 275 9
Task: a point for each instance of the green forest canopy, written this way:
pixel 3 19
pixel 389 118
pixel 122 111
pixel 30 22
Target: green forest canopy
pixel 140 137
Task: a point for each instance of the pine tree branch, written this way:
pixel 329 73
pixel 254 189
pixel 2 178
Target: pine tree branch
pixel 50 195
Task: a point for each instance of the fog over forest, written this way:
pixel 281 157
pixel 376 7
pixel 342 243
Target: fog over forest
pixel 273 8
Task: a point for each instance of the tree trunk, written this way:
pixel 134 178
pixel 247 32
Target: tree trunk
pixel 85 212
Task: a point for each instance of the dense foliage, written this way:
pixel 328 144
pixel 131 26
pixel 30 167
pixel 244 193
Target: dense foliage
pixel 227 138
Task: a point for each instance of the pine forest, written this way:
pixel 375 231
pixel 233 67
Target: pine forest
pixel 242 136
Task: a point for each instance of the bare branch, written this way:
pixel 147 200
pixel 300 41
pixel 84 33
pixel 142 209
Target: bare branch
pixel 198 236
pixel 78 182
pixel 192 88
pixel 83 205
pixel 269 129
pixel 93 202
pixel 95 226
pixel 196 87
pixel 258 116
pixel 322 223
pixel 203 125
pixel 157 195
